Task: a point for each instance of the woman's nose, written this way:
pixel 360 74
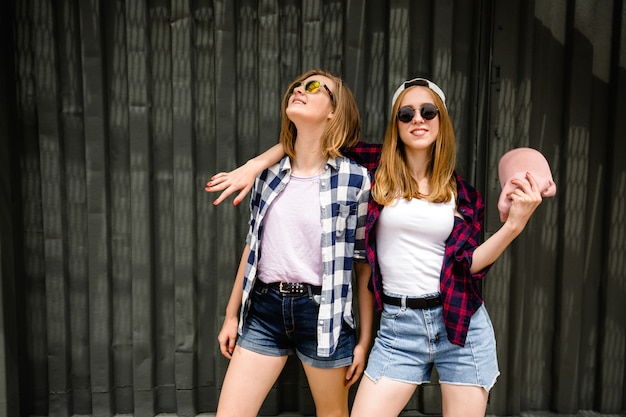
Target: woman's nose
pixel 298 88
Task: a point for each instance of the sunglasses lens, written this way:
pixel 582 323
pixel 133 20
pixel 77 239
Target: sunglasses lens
pixel 405 114
pixel 312 86
pixel 429 111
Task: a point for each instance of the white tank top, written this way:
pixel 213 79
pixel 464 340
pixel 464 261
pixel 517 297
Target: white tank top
pixel 410 245
pixel 291 249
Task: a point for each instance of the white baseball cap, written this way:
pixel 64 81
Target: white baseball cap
pixel 424 83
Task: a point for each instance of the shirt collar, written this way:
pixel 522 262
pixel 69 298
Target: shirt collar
pixel 334 163
pixel 285 164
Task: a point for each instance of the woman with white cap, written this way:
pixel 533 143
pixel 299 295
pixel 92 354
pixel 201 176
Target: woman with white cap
pixel 423 240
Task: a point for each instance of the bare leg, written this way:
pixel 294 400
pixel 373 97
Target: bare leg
pixel 329 390
pixel 463 400
pixel 386 398
pixel 248 380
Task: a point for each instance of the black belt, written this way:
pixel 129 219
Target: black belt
pixel 414 303
pixel 292 288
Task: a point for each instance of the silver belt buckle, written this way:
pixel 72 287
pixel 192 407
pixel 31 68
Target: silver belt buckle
pixel 291 288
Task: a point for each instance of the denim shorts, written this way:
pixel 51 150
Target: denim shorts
pixel 279 325
pixel 410 342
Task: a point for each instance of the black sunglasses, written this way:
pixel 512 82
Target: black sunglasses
pixel 428 112
pixel 312 87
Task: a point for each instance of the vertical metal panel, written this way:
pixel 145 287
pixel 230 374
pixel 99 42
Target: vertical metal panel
pixel 120 72
pixel 184 202
pixel 611 389
pixel 9 230
pixel 228 243
pixel 125 109
pixel 97 207
pixel 371 94
pixel 206 234
pixel 574 192
pixel 30 255
pixel 269 44
pixel 72 119
pixel 53 199
pixel 312 41
pixel 136 342
pixel 354 14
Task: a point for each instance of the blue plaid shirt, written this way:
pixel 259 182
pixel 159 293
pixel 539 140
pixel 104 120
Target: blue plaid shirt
pixel 344 195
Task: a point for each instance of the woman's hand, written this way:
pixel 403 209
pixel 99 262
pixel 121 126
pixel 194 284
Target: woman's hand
pixel 228 336
pixel 355 370
pixel 240 179
pixel 525 198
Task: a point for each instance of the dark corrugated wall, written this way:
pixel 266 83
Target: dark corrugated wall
pixel 116 268
pixel 559 85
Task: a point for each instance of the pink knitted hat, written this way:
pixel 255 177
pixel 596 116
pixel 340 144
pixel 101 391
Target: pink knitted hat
pixel 515 164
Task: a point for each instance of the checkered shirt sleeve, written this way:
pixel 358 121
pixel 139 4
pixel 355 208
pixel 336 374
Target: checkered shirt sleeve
pixel 344 194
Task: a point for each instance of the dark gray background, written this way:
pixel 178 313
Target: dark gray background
pixel 116 267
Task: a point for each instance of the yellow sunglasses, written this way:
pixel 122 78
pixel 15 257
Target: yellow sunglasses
pixel 312 87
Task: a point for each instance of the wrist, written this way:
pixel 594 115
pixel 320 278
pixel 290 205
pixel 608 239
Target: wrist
pixel 253 162
pixel 364 340
pixel 511 229
pixel 257 164
pixel 231 315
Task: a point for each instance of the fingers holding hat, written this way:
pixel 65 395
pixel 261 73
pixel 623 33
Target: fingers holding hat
pixel 525 199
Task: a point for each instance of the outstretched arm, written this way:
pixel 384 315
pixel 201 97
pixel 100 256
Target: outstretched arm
pixel 524 200
pixel 242 178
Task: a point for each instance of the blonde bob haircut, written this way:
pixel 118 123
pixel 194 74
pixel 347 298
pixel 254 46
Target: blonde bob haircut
pixel 393 177
pixel 343 130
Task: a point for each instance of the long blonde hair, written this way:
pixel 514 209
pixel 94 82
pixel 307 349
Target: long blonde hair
pixel 342 132
pixel 393 177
